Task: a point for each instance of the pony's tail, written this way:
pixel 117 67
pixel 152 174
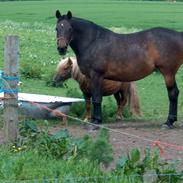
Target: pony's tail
pixel 133 101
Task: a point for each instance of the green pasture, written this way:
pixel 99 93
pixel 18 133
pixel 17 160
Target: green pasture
pixel 108 13
pixel 32 158
pixel 34 23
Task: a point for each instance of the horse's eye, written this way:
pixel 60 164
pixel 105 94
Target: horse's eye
pixel 56 29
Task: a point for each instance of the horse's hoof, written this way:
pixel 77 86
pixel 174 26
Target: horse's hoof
pixel 86 120
pixel 168 126
pixel 92 127
pixel 119 117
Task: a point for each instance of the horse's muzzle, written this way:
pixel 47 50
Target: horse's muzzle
pixel 56 84
pixel 57 80
pixel 62 51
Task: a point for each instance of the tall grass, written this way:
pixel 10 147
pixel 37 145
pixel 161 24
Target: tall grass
pixel 30 167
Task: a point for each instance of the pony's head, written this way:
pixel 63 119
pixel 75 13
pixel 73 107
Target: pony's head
pixel 64 31
pixel 63 71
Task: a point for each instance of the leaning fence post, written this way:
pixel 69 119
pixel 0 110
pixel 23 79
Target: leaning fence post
pixel 11 56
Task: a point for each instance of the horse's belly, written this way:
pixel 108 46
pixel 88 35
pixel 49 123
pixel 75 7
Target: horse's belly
pixel 110 87
pixel 127 77
pixel 130 72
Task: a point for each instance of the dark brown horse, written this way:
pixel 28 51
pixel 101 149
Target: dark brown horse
pixel 103 54
pixel 123 92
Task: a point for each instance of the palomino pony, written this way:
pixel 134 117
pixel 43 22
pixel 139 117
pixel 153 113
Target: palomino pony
pixel 103 54
pixel 68 68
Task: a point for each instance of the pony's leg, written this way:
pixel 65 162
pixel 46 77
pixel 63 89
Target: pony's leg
pixel 87 115
pixel 173 93
pixel 118 113
pixel 96 83
pixel 133 100
pixel 121 101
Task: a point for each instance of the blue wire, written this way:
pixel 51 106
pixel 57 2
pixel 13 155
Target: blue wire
pixel 8 91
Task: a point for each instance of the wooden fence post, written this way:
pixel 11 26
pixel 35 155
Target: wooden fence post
pixel 11 64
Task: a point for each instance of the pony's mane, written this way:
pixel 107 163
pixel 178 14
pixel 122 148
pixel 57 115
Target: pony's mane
pixel 76 73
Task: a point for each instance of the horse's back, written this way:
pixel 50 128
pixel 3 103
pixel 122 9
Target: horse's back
pixel 130 57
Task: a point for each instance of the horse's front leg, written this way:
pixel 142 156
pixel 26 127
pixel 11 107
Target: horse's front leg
pixel 173 93
pixel 96 81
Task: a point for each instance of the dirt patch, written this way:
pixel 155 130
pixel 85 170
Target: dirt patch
pixel 129 135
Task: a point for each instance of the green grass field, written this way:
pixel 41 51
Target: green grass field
pixel 34 22
pixel 104 12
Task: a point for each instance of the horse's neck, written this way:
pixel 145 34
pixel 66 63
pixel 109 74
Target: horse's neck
pixel 85 32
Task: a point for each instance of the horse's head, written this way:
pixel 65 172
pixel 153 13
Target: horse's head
pixel 64 31
pixel 64 71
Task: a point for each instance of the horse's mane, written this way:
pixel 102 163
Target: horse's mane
pixel 88 24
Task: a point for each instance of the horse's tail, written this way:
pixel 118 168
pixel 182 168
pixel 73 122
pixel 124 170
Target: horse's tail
pixel 133 101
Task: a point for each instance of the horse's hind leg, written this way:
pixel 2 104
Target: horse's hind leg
pixel 118 113
pixel 173 93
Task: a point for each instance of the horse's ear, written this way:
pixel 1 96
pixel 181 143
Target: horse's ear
pixel 57 14
pixel 69 61
pixel 69 15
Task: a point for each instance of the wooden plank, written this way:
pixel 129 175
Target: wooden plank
pixel 11 64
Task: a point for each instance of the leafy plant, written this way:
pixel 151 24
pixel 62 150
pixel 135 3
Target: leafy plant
pixel 58 145
pixel 61 145
pixel 133 166
pixel 99 151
